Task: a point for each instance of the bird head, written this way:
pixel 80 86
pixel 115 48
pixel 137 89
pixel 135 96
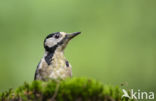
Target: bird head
pixel 58 40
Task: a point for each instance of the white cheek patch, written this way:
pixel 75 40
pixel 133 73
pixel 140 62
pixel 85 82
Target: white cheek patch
pixel 52 41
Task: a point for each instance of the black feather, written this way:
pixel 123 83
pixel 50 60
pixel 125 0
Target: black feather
pixel 67 63
pixel 36 70
pixel 51 50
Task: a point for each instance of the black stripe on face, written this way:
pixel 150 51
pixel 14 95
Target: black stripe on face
pixel 51 51
pixel 49 36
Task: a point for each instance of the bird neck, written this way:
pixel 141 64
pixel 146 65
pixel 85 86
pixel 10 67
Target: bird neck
pixel 57 55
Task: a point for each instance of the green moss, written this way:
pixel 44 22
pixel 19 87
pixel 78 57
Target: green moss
pixel 73 89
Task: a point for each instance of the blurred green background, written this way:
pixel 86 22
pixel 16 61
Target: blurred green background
pixel 117 44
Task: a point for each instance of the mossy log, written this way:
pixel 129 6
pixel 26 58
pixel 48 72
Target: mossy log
pixel 73 89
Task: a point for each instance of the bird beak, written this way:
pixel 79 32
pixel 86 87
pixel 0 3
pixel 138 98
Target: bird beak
pixel 72 35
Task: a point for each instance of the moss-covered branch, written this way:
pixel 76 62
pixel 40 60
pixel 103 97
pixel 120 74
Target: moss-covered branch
pixel 74 89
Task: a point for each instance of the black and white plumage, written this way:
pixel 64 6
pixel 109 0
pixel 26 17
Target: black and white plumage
pixel 54 65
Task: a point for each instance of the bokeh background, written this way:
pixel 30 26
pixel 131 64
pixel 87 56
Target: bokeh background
pixel 117 44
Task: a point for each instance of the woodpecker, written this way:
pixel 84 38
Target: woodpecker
pixel 54 65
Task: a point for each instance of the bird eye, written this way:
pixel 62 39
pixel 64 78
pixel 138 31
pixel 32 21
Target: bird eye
pixel 57 36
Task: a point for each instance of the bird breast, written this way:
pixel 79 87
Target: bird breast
pixel 58 68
